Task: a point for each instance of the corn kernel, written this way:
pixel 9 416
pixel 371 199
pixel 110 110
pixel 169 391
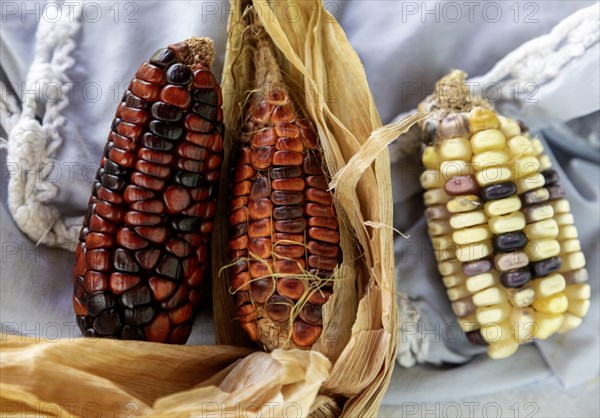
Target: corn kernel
pixel 570 322
pixel 538 213
pixel 430 158
pixel 570 246
pixel 579 307
pixel 537 146
pixel 481 281
pixel 574 291
pixel 538 250
pixel 454 168
pixel 519 146
pixel 546 229
pixel 490 159
pixel 525 167
pixel 435 196
pixel 472 252
pixel 489 140
pixel 502 206
pixel 572 261
pixel 493 314
pixel 467 219
pixel 441 227
pixel 564 219
pixel 534 181
pixel 545 163
pixel 457 292
pixel 561 206
pixel 431 179
pixel 509 127
pixel 496 332
pixel 502 349
pixel 468 323
pixel 520 297
pixel 554 304
pixel 493 175
pixel 548 285
pixel 481 118
pixel 465 203
pixel 567 232
pixel 455 149
pixel 547 324
pixel 507 223
pixel 455 279
pixel 522 321
pixel 490 296
pixel 472 235
pixel 449 267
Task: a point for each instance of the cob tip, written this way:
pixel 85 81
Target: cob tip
pixel 201 50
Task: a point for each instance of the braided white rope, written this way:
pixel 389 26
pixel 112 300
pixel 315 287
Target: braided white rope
pixel 31 144
pixel 541 59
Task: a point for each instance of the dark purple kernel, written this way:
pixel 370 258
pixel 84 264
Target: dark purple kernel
pixel 166 112
pixel 163 58
pixel 509 241
pixel 515 278
pixel 179 74
pixel 498 191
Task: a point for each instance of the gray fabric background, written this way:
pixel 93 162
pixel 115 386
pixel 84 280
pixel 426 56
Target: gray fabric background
pixel 401 52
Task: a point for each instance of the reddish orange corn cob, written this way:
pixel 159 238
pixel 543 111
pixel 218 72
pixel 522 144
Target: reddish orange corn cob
pixel 283 229
pixel 143 247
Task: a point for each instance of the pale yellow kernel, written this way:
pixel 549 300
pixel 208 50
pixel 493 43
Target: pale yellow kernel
pixel 455 149
pixel 554 304
pixel 521 297
pixel 507 223
pixel 493 314
pixel 574 291
pixel 564 219
pixel 570 322
pixel 441 227
pixel 481 118
pixel 525 167
pixel 468 323
pixel 537 145
pixel 432 179
pixel 430 158
pixel 509 127
pixel 572 261
pixel 502 349
pixel 511 261
pixel 490 296
pixel 493 175
pixel 522 323
pixel 464 203
pixel 488 140
pixel 546 229
pixel 519 146
pixel 472 235
pixel 538 213
pixel 449 267
pixel 472 252
pixel 445 254
pixel 481 281
pixel 561 206
pixel 502 206
pixel 455 279
pixel 570 246
pixel 435 196
pixel 545 163
pixel 496 332
pixel 567 232
pixel 549 285
pixel 467 219
pixel 454 168
pixel 579 307
pixel 457 292
pixel 547 324
pixel 490 159
pixel 532 182
pixel 538 250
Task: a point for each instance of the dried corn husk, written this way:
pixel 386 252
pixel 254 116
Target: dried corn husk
pixel 345 375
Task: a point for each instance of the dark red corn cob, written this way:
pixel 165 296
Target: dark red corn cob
pixel 283 230
pixel 143 249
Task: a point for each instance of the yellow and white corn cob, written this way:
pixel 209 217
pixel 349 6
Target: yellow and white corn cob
pixel 501 228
